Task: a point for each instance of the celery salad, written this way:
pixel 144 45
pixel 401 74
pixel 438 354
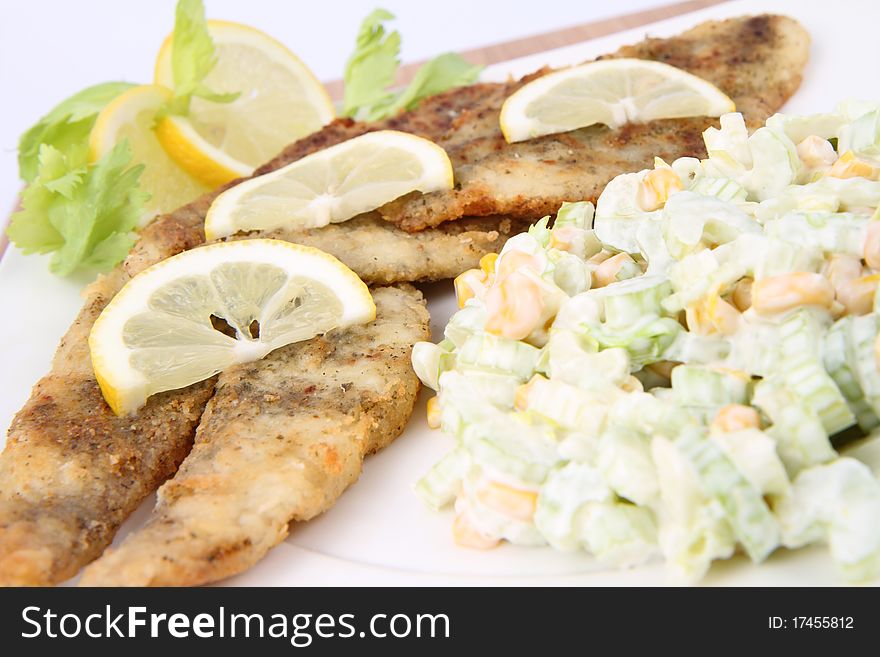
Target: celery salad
pixel 673 377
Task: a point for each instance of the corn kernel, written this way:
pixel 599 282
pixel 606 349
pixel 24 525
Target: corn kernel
pixel 466 535
pixel 656 188
pixel 842 268
pixel 514 307
pixel 487 263
pixel 712 315
pixel 871 250
pixel 468 285
pixel 696 319
pixel 663 368
pixel 512 502
pixel 857 296
pixel 849 166
pixel 607 272
pixel 598 258
pixel 778 294
pixel 565 238
pixel 723 316
pixel 736 417
pixel 816 152
pixel 510 261
pixel 433 413
pixel 742 294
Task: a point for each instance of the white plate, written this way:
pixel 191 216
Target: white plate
pixel 379 532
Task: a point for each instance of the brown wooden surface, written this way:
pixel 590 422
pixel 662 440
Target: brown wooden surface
pixel 530 45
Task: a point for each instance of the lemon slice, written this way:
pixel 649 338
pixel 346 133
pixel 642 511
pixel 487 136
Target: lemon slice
pixel 131 116
pixel 332 185
pixel 195 314
pixel 613 92
pixel 280 101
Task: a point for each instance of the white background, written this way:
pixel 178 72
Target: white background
pixel 50 49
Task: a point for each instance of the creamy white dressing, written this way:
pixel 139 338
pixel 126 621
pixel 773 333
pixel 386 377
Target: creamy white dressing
pixel 723 265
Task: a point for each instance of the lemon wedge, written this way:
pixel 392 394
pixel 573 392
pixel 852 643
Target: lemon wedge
pixel 130 116
pixel 332 185
pixel 613 92
pixel 280 100
pixel 195 314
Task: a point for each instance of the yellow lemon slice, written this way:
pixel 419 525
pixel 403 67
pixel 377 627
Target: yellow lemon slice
pixel 613 92
pixel 195 314
pixel 131 116
pixel 279 101
pixel 332 185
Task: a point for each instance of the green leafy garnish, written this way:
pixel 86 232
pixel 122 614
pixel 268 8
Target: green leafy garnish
pixel 192 58
pixel 66 127
pixel 372 68
pixel 86 214
pixel 439 74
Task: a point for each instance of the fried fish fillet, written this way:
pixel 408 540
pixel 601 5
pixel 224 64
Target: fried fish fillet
pixel 757 61
pixel 381 253
pixel 72 471
pixel 280 441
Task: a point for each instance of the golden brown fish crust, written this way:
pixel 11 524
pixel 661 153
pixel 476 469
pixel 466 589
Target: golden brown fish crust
pixel 280 441
pixel 71 471
pixel 70 477
pixel 51 523
pixel 757 61
pixel 382 253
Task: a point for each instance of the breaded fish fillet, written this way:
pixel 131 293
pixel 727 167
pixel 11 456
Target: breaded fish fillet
pixel 757 61
pixel 381 253
pixel 72 472
pixel 280 441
